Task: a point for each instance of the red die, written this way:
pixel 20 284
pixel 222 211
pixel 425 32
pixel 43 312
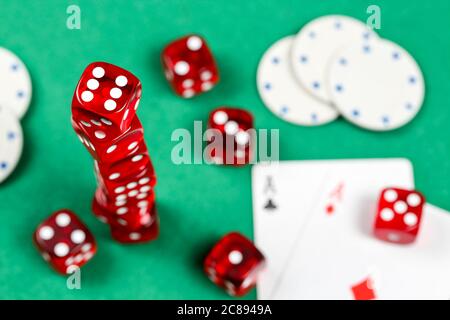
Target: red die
pixel 106 143
pixel 147 232
pixel 234 263
pixel 399 215
pixel 135 183
pixel 64 241
pixel 232 140
pixel 108 91
pixel 189 66
pixel 130 213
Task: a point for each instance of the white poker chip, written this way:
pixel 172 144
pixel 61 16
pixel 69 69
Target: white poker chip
pixel 11 143
pixel 281 92
pixel 315 45
pixel 378 85
pixel 15 83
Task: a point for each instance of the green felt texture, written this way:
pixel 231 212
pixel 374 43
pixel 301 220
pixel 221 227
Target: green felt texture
pixel 197 203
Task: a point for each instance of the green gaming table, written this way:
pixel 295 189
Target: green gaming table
pixel 197 203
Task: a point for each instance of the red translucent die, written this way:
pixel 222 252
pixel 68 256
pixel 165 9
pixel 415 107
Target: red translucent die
pixel 146 233
pixel 64 241
pixel 234 263
pixel 106 143
pixel 189 66
pixel 108 91
pixel 131 177
pixel 233 137
pixel 399 215
pixel 130 213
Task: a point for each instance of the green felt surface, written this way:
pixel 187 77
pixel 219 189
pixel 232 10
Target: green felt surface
pixel 197 203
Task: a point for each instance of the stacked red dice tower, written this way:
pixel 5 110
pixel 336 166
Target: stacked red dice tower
pixel 104 117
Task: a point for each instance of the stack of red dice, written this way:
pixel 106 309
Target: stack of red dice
pixel 104 117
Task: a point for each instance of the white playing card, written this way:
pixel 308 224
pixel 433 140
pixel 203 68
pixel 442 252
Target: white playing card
pixel 282 195
pixel 338 257
pixel 294 188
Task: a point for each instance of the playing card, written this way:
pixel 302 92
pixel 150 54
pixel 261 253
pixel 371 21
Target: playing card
pixel 284 195
pixel 338 257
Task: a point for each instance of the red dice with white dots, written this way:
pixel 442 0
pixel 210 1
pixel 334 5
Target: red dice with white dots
pixel 230 136
pixel 234 264
pixel 106 143
pixel 64 241
pixel 104 118
pixel 399 215
pixel 110 92
pixel 189 66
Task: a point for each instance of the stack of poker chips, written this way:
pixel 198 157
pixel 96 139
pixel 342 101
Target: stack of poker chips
pixel 103 116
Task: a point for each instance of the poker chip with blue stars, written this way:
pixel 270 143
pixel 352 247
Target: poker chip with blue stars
pixel 283 95
pixel 316 43
pixel 15 84
pixel 377 86
pixel 11 142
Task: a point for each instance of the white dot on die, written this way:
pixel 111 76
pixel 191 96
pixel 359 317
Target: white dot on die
pixel 92 84
pixel 46 233
pixel 235 257
pixel 133 193
pixel 98 124
pixel 121 197
pixel 122 210
pixel 413 200
pixel 132 185
pixel 220 117
pixel 121 81
pixel 114 176
pixel 194 43
pixel 100 134
pixel 106 121
pixel 77 236
pixel 206 86
pixel 410 219
pixel 87 96
pixel 86 247
pixel 111 149
pixel 132 145
pixel 188 83
pixel 387 214
pixel 98 72
pixel 115 93
pixel 142 204
pixel 393 237
pixel 137 158
pixel 110 105
pixel 242 138
pixel 69 261
pixel 142 195
pixel 61 249
pixel 400 207
pixel 119 189
pixel 231 127
pixel 189 93
pixel 120 203
pixel 206 75
pixel 137 104
pixel 145 189
pixel 144 180
pixel 62 219
pixel 390 195
pixel 134 236
pixel 181 68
